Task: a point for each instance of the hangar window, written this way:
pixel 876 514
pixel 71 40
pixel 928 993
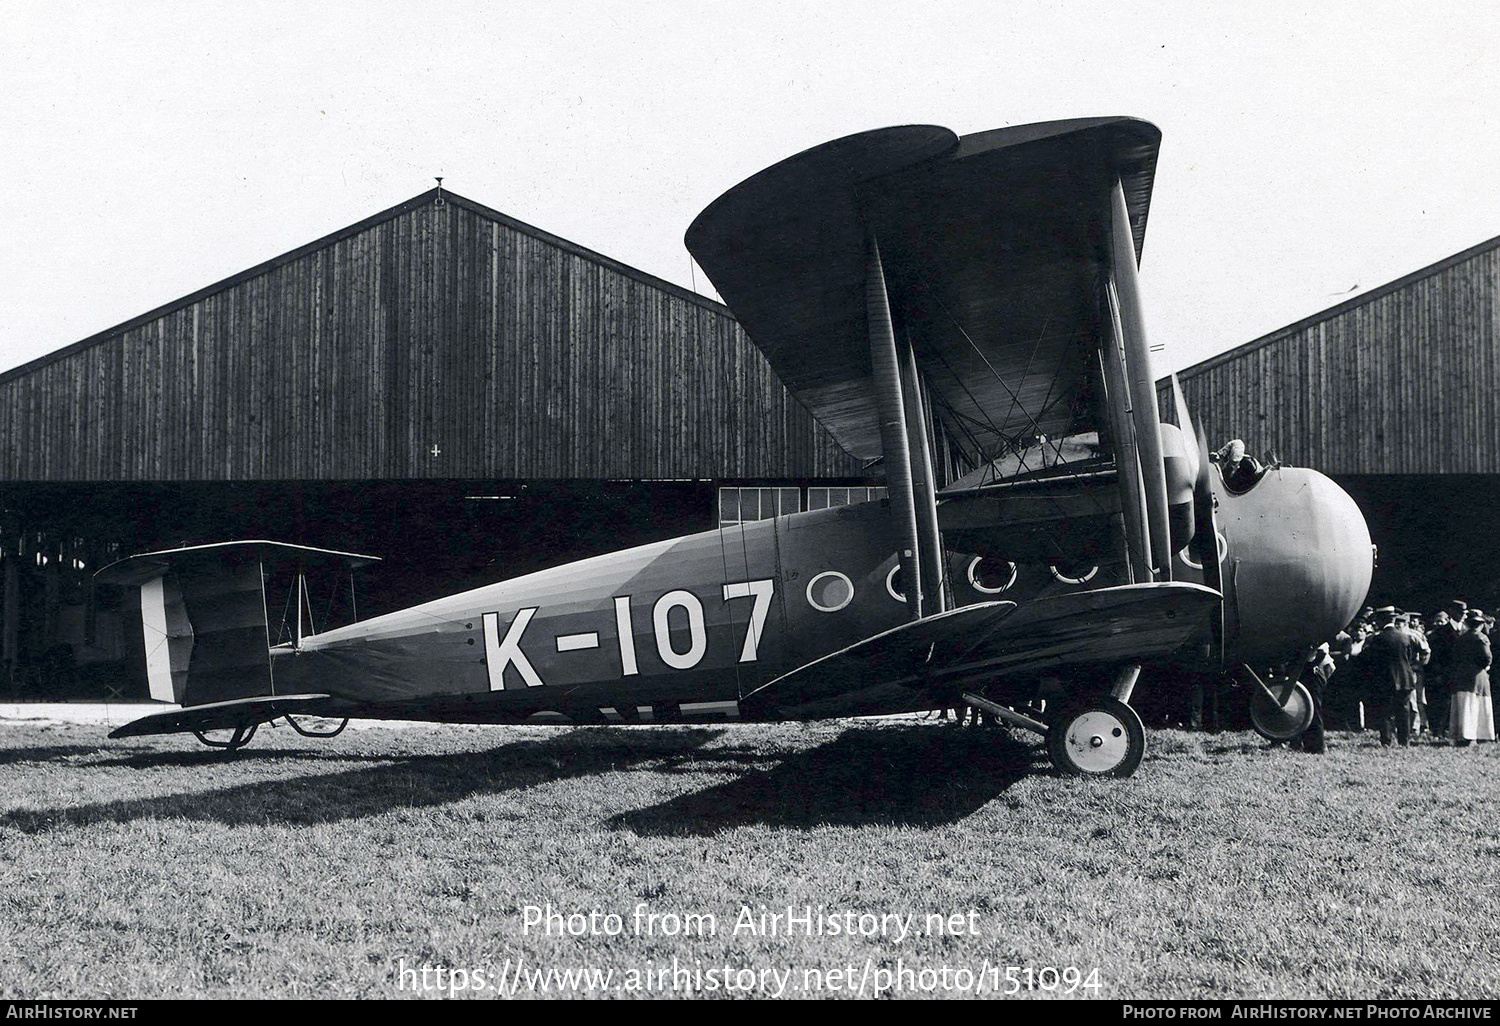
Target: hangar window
pixel 823 498
pixel 743 505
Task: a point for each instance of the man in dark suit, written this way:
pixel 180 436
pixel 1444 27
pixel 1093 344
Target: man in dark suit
pixel 1449 626
pixel 1394 653
pixel 1315 674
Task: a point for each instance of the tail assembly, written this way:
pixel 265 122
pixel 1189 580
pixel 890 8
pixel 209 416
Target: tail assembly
pixel 207 634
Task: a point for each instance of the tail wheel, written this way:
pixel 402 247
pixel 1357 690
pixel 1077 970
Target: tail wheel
pixel 1102 739
pixel 239 739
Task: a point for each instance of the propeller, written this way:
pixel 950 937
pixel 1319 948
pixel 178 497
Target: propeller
pixel 1203 545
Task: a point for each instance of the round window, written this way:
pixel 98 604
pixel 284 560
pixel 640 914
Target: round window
pixel 992 576
pixel 1082 576
pixel 895 584
pixel 830 591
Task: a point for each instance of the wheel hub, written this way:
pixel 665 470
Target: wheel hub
pixel 1098 741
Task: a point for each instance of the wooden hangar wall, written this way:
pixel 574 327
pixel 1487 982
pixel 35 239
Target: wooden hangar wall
pixel 439 339
pixel 440 384
pixel 1393 395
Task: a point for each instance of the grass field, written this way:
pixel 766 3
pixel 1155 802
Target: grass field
pixel 1224 868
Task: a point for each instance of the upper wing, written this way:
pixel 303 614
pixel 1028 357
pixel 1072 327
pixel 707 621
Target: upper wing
pixel 1132 623
pixel 146 566
pixel 992 246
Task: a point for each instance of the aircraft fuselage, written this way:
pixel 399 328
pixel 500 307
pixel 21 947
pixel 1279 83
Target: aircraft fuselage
pixel 685 628
pixel 678 628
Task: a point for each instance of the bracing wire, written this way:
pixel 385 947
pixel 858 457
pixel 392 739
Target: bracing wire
pixel 1016 403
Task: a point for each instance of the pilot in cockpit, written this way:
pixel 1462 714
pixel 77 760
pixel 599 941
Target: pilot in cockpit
pixel 1240 471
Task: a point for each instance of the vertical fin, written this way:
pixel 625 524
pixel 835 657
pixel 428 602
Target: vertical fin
pixel 169 639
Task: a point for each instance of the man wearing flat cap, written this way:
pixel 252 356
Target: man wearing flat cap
pixel 1394 654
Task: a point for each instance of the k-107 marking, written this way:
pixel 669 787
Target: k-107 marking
pixel 503 652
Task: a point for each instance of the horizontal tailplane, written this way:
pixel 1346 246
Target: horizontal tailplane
pixel 234 715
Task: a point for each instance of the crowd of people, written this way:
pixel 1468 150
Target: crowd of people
pixel 1408 676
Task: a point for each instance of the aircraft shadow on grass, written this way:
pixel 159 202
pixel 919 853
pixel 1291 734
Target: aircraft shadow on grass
pixel 144 757
pixel 913 775
pixel 901 776
pixel 399 783
pixel 46 753
pixel 150 758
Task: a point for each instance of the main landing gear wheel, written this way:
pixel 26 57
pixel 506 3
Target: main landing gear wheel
pixel 238 740
pixel 1280 710
pixel 1103 739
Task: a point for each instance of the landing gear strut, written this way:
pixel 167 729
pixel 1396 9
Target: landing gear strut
pixel 1281 710
pixel 1103 738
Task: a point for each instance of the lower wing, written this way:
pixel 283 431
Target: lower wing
pixel 1130 624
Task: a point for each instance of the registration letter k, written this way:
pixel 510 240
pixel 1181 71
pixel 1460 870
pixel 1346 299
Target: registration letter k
pixel 498 654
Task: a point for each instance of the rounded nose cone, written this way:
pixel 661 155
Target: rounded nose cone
pixel 1349 556
pixel 1305 561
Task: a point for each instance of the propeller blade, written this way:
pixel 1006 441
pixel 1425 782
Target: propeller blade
pixel 1205 544
pixel 1204 547
pixel 1185 423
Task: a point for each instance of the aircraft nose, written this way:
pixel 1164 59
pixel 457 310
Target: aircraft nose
pixel 1300 562
pixel 1342 538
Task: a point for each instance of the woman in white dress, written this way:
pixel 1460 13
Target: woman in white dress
pixel 1471 716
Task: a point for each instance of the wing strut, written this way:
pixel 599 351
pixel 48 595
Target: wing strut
pixel 1125 298
pixel 885 366
pixel 924 482
pixel 1127 463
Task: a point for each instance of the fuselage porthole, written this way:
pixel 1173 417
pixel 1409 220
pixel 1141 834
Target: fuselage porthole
pixel 1064 578
pixel 976 576
pixel 890 584
pixel 830 591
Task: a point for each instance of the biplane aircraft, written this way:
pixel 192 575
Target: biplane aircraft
pixel 966 313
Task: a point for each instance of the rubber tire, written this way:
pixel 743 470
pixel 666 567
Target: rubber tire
pixel 1127 720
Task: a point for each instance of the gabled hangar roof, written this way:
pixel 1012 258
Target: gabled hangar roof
pixel 434 340
pixel 1398 380
pixel 1338 309
pixel 389 214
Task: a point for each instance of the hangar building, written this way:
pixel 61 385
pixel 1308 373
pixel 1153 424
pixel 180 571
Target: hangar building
pixel 1394 395
pixel 465 395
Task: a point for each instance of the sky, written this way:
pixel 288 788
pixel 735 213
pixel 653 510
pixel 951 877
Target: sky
pixel 1311 151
